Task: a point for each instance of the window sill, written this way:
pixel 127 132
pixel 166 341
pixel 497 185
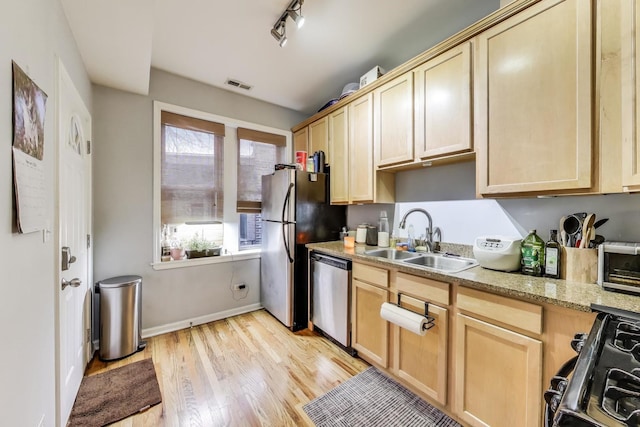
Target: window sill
pixel 238 256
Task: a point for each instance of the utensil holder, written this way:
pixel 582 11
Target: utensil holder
pixel 579 265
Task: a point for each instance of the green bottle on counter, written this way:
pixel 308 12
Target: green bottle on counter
pixel 552 256
pixel 532 249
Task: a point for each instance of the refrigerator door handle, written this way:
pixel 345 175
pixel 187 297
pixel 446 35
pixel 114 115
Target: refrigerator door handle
pixel 287 200
pixel 286 242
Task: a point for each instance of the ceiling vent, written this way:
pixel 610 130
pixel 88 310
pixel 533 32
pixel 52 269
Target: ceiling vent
pixel 238 84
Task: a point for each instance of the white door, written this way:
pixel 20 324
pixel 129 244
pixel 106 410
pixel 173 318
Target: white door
pixel 74 256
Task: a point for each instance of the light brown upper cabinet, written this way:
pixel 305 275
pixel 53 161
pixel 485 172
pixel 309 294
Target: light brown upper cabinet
pixel 301 140
pixel 630 21
pixel 339 148
pixel 443 104
pixel 319 137
pixel 533 101
pixel 353 178
pixel 361 149
pixel 366 185
pixel 393 121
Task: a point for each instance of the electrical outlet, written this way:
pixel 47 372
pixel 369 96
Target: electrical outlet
pixel 239 287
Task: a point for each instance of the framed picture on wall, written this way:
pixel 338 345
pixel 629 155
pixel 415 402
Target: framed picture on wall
pixel 29 107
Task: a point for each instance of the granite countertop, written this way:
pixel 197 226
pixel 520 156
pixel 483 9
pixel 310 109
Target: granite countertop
pixel 574 295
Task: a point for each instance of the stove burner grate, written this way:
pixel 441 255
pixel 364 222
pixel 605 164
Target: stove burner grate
pixel 621 397
pixel 627 338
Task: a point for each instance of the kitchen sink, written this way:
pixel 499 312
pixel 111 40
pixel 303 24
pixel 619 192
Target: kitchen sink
pixel 444 263
pixel 392 254
pixel 438 262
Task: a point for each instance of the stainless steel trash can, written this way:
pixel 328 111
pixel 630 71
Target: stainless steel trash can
pixel 120 316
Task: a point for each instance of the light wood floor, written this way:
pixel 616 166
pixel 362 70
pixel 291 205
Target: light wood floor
pixel 247 370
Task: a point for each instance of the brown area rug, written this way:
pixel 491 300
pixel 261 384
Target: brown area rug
pixel 370 399
pixel 116 394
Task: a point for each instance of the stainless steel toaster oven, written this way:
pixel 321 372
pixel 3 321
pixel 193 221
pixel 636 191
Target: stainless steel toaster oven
pixel 619 266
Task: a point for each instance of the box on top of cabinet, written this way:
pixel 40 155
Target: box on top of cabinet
pixel 371 76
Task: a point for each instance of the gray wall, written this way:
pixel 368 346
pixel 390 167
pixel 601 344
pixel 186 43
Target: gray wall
pixel 457 182
pixel 123 199
pixel 34 33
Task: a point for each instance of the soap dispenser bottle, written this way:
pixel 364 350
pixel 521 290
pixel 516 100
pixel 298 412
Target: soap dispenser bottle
pixel 383 230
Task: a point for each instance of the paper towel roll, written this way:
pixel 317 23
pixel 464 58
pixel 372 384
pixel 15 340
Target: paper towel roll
pixel 406 319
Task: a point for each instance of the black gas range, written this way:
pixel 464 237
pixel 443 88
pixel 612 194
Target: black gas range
pixel 604 388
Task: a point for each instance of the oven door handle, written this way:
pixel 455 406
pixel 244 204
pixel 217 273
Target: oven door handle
pixel 553 395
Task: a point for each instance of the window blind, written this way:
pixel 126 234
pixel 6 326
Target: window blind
pixel 264 137
pixel 258 152
pixel 192 170
pixel 191 123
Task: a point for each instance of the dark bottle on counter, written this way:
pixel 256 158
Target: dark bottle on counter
pixel 532 249
pixel 552 256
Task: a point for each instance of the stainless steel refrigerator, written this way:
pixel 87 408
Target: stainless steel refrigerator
pixel 295 211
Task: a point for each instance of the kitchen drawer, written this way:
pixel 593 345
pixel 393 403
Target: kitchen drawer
pixel 369 274
pixel 423 288
pixel 519 314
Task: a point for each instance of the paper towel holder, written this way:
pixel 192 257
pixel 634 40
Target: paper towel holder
pixel 431 321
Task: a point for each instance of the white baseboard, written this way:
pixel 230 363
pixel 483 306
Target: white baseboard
pixel 183 324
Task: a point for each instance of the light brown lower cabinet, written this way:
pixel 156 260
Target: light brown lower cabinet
pixel 369 332
pixel 498 375
pixel 482 361
pixel 421 361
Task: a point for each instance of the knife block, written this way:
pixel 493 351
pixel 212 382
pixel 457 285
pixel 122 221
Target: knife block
pixel 579 265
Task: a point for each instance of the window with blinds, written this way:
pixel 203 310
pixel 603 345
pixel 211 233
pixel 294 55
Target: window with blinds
pixel 258 153
pixel 192 175
pixel 191 209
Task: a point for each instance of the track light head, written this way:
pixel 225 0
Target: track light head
pixel 279 32
pixel 276 35
pixel 297 17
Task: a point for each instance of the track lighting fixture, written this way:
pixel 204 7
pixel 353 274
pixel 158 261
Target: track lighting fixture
pixel 293 11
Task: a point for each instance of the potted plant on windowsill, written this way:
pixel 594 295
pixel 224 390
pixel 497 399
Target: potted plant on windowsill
pixel 199 247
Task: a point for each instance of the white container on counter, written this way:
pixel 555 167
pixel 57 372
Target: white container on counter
pixel 500 253
pixel 361 233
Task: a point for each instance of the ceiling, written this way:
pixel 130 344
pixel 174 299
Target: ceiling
pixel 211 41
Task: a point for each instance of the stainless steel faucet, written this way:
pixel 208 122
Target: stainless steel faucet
pixel 429 235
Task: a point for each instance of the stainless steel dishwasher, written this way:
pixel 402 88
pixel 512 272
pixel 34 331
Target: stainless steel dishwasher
pixel 331 297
